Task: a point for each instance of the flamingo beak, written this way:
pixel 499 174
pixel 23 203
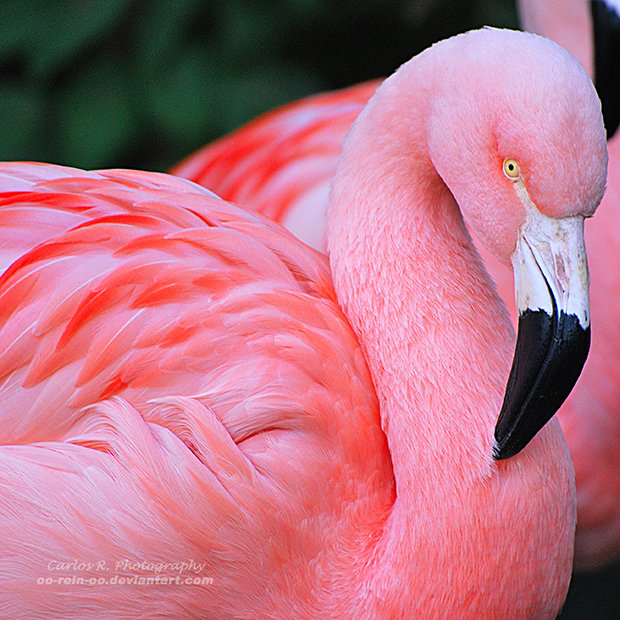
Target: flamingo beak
pixel 551 287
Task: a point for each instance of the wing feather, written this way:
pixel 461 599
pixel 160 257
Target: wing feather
pixel 177 381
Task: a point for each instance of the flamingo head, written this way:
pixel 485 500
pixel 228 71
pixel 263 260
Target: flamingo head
pixel 516 133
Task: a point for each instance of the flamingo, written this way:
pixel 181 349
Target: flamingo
pixel 281 165
pixel 190 392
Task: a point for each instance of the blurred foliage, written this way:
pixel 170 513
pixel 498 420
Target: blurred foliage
pixel 101 83
pixel 97 83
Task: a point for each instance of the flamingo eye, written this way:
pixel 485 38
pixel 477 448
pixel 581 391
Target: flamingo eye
pixel 511 169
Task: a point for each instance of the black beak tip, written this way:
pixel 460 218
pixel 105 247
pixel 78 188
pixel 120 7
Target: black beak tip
pixel 501 453
pixel 549 356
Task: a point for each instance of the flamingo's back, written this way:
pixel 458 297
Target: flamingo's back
pixel 175 380
pixel 282 163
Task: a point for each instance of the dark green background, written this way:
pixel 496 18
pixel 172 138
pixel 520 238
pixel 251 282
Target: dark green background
pixel 140 84
pixel 99 83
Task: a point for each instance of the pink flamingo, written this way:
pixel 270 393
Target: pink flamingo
pixel 182 383
pixel 281 165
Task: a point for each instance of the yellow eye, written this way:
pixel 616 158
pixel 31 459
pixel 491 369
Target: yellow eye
pixel 511 169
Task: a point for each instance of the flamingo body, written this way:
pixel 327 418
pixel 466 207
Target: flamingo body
pixel 157 313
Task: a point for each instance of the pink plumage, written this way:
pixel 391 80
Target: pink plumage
pixel 184 383
pixel 273 160
pixel 226 377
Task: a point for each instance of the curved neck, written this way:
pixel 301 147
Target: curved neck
pixel 437 338
pixel 438 343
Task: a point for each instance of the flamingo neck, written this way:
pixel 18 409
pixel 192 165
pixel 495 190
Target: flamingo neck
pixel 437 339
pixel 438 344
